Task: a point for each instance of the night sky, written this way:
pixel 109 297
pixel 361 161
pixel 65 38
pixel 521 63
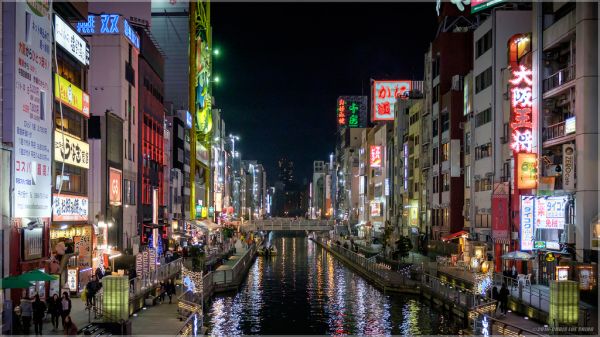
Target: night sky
pixel 282 65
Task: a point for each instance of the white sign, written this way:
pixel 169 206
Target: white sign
pixel 71 150
pixel 68 38
pixel 568 167
pixel 527 222
pixel 69 208
pixel 32 110
pixel 570 125
pixel 72 279
pixel 550 212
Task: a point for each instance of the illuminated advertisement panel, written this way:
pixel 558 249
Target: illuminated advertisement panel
pixel 69 208
pixel 375 208
pixel 521 101
pixel 384 97
pixel 479 5
pixel 527 222
pixel 352 111
pixel 71 150
pixel 115 177
pixel 109 24
pixel 550 212
pixel 71 96
pixel 526 170
pixel 375 156
pixel 68 38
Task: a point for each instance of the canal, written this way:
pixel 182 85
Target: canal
pixel 305 290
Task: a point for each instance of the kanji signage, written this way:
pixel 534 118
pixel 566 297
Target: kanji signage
pixel 68 38
pixel 71 150
pixel 526 170
pixel 71 96
pixel 352 111
pixel 69 208
pixel 550 212
pixel 114 186
pixel 384 97
pixel 375 155
pixel 527 222
pixel 109 24
pixel 521 102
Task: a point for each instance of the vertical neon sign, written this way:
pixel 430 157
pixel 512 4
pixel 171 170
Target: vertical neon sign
pixel 522 127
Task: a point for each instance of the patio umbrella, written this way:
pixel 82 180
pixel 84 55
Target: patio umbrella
pixel 37 275
pixel 517 255
pixel 11 282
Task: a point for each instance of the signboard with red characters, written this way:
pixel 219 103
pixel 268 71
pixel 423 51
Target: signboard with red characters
pixel 384 97
pixel 352 111
pixel 521 101
pixel 375 155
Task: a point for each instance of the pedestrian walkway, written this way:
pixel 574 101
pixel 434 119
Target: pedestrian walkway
pixel 160 319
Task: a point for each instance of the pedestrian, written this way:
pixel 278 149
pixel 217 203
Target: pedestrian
pixel 92 288
pixel 65 307
pixel 503 299
pixel 170 290
pixel 39 312
pixel 54 308
pixel 99 273
pixel 163 291
pixel 69 327
pixel 496 297
pixel 26 314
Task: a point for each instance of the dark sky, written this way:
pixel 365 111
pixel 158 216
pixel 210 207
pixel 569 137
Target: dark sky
pixel 282 66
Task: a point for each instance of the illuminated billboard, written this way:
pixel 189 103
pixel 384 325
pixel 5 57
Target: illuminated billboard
pixel 115 177
pixel 375 155
pixel 550 212
pixel 71 150
pixel 109 24
pixel 71 96
pixel 526 170
pixel 527 222
pixel 384 97
pixel 352 111
pixel 69 208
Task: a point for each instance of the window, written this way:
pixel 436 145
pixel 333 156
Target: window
pixel 435 67
pixel 435 155
pixel 468 176
pixel 436 94
pixel 436 184
pixel 416 140
pixel 483 151
pixel 467 142
pixel 445 182
pixel 129 192
pixel 74 179
pixel 446 152
pixel 485 184
pixel 483 44
pixel 483 117
pixel 483 80
pixel 435 127
pixel 506 171
pixel 445 121
pixel 505 133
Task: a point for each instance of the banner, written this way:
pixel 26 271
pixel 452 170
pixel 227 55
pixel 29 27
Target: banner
pixel 71 96
pixel 568 167
pixel 83 245
pixel 70 150
pixel 69 208
pixel 500 218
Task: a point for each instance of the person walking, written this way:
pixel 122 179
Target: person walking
pixel 65 307
pixel 26 314
pixel 92 288
pixel 496 297
pixel 39 311
pixel 170 290
pixel 69 327
pixel 54 310
pixel 503 299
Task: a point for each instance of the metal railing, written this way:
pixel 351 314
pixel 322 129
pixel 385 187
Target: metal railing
pixel 535 297
pixel 191 326
pixel 559 78
pixel 554 131
pixel 459 295
pixel 494 325
pixel 290 224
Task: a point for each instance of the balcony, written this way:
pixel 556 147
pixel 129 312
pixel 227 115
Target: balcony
pixel 559 78
pixel 556 134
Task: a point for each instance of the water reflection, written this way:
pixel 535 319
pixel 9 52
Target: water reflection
pixel 305 290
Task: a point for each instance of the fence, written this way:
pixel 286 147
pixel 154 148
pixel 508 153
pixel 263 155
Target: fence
pixel 534 296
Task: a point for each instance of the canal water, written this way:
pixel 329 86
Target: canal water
pixel 305 290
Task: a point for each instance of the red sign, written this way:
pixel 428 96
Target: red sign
pixel 114 187
pixel 341 112
pixel 500 217
pixel 375 156
pixel 521 99
pixel 385 95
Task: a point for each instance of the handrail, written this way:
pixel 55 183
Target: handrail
pixel 559 78
pixel 190 326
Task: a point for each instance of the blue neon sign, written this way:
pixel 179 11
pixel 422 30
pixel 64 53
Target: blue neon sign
pixel 188 119
pixel 109 24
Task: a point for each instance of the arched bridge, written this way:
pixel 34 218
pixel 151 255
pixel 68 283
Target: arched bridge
pixel 289 224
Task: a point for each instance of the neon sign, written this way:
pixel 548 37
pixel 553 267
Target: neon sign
pixel 352 111
pixel 385 95
pixel 375 156
pixel 522 126
pixel 341 109
pixel 109 24
pixel 527 222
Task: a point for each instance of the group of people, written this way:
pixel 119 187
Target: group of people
pixel 501 298
pixel 36 310
pixel 167 288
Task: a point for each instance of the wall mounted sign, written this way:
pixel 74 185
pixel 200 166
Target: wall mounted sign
pixel 550 212
pixel 375 208
pixel 71 96
pixel 68 38
pixel 33 243
pixel 562 273
pixel 70 150
pixel 115 183
pixel 384 97
pixel 28 60
pixel 352 111
pixel 109 24
pixel 526 170
pixel 521 101
pixel 568 167
pixel 69 208
pixel 72 279
pixel 375 156
pixel 527 222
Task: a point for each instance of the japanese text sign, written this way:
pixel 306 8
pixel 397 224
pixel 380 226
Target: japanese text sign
pixel 68 38
pixel 375 155
pixel 70 150
pixel 526 170
pixel 550 212
pixel 527 222
pixel 352 111
pixel 70 95
pixel 69 208
pixel 521 102
pixel 384 97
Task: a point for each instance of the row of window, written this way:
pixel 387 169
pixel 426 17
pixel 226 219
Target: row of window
pixel 153 90
pixel 444 179
pixel 484 184
pixel 483 80
pixel 483 151
pixel 483 44
pixel 483 117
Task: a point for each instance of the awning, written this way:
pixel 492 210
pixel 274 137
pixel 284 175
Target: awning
pixel 454 235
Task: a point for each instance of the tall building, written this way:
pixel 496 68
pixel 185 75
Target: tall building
pixel 286 170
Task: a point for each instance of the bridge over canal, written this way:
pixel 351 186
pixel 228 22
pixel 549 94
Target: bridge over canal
pixel 290 224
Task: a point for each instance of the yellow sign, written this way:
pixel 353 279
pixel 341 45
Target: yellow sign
pixel 70 150
pixel 527 170
pixel 550 257
pixel 70 95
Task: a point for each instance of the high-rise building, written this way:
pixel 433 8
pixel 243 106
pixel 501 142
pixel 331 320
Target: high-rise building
pixel 286 170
